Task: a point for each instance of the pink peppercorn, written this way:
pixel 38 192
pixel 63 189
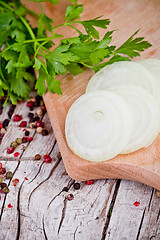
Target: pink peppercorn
pixel 89 182
pixel 23 124
pixel 0 165
pixel 29 139
pixel 40 124
pixel 1 125
pixel 30 104
pixel 47 158
pixel 17 118
pixel 10 150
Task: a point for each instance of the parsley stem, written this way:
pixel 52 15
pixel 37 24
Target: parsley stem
pixel 40 46
pixel 32 12
pixel 69 25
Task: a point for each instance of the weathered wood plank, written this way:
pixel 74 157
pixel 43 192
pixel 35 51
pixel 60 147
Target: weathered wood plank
pixel 126 219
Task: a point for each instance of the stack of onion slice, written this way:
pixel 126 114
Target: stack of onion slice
pixel 118 114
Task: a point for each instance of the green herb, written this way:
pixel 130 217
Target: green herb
pixel 24 49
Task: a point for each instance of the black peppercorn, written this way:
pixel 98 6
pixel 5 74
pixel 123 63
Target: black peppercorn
pixel 65 189
pixel 3 185
pixel 44 132
pixel 36 104
pixel 24 139
pixel 27 133
pixel 30 115
pixel 37 118
pixel 76 186
pixel 5 123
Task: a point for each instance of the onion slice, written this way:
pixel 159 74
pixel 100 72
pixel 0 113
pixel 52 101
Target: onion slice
pixel 123 73
pixel 98 125
pixel 146 116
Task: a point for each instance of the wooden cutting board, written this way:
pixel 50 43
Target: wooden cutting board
pixel 127 16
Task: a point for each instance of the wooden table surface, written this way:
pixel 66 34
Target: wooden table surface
pixel 41 209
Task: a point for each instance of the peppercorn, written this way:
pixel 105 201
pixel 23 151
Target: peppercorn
pixel 65 189
pixel 39 129
pixel 3 185
pixel 5 190
pixel 18 141
pixel 33 125
pixel 23 124
pixel 37 157
pixel 5 123
pixel 40 124
pixel 24 139
pixel 70 197
pixel 59 155
pixel 3 131
pixel 1 125
pixel 31 108
pixel 11 110
pixel 30 115
pixel 37 118
pixel 10 150
pixel 9 175
pixel 158 193
pixel 17 118
pixel 14 144
pixel 2 170
pixel 39 112
pixel 76 186
pixel 27 133
pixel 44 132
pixel 31 120
pixel 38 98
pixel 36 104
pixel 1 180
pixel 29 104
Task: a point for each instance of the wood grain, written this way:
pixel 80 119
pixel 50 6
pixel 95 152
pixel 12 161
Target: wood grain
pixel 127 16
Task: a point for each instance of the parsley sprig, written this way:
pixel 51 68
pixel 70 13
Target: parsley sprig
pixel 24 49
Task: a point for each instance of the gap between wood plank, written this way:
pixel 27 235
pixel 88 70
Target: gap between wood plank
pixel 110 207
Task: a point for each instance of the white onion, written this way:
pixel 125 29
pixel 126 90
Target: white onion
pixel 123 73
pixel 145 112
pixel 98 126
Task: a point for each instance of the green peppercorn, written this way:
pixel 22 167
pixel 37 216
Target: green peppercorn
pixel 18 141
pixel 14 144
pixel 9 175
pixel 1 180
pixel 59 155
pixel 5 190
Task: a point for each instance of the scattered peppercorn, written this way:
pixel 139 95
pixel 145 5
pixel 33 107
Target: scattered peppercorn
pixel 5 190
pixel 39 129
pixel 27 133
pixel 23 124
pixel 3 131
pixel 65 189
pixel 70 197
pixel 32 125
pixel 29 104
pixel 43 108
pixel 29 139
pixel 1 180
pixel 39 112
pixel 47 158
pixel 18 141
pixel 2 170
pixel 1 125
pixel 31 108
pixel 40 124
pixel 30 115
pixel 10 150
pixel 17 118
pixel 44 132
pixel 37 118
pixel 5 123
pixel 76 186
pixel 89 182
pixel 24 140
pixel 37 157
pixel 36 104
pixel 14 144
pixel 3 185
pixel 59 155
pixel 9 175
